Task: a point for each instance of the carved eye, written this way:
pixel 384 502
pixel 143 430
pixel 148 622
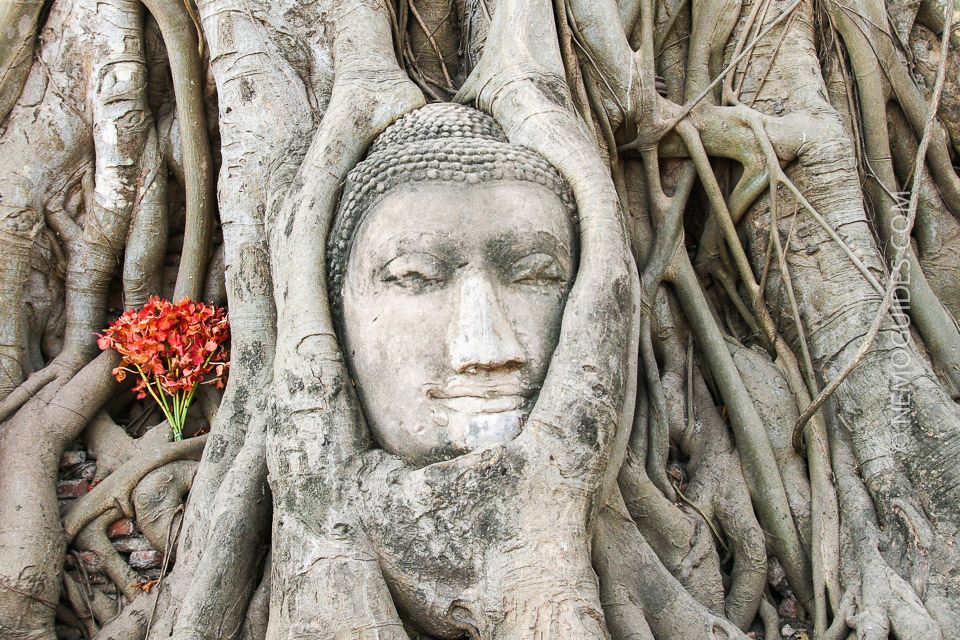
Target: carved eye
pixel 537 269
pixel 416 271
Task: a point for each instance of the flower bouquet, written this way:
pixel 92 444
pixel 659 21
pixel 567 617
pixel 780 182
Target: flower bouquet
pixel 171 347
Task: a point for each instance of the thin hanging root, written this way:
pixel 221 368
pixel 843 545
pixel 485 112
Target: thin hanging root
pixel 433 43
pixel 858 263
pixel 825 510
pixel 689 106
pixel 766 72
pixel 658 432
pixel 665 30
pixel 730 287
pixel 180 36
pixel 787 533
pixel 759 464
pixel 744 32
pixel 79 598
pixel 666 243
pixel 752 189
pixel 902 247
pixel 93 537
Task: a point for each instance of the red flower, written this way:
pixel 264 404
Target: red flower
pixel 171 347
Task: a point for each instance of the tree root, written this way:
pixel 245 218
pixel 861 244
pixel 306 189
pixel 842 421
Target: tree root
pixel 878 600
pixel 25 391
pixel 180 37
pixel 636 588
pixel 158 497
pixel 93 537
pixel 119 485
pixel 18 24
pixel 111 446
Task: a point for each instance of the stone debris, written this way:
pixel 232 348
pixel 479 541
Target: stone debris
pixel 146 559
pixel 91 561
pixel 788 608
pixel 72 459
pixel 67 633
pixel 131 544
pixel 72 488
pixel 124 527
pixel 87 471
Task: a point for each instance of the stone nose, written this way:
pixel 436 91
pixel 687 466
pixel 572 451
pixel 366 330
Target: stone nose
pixel 481 336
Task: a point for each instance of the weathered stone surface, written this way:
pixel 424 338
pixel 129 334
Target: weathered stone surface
pixel 131 544
pixel 72 458
pixel 72 488
pixel 146 559
pixel 124 527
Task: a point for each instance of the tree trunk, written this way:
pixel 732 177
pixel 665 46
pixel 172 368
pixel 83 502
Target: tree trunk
pixel 750 416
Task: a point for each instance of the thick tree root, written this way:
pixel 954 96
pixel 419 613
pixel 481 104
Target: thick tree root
pixel 120 484
pixel 638 593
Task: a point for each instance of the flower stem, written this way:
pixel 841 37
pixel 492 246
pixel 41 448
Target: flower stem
pixel 158 399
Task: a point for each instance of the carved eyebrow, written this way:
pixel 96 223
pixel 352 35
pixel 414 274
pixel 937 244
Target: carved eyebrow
pixel 510 246
pixel 434 244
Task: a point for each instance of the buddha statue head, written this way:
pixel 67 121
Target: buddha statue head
pixel 450 259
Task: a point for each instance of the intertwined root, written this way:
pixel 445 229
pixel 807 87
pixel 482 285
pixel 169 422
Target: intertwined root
pixel 786 261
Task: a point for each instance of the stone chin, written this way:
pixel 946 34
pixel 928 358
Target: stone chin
pixel 490 428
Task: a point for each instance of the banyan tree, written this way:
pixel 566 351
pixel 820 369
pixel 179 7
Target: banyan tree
pixel 566 319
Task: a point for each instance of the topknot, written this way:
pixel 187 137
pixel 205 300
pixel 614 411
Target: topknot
pixel 438 142
pixel 439 121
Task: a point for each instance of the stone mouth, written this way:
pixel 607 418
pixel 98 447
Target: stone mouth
pixel 475 397
pixel 496 403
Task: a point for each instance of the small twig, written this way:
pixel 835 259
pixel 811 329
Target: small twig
pixel 196 21
pixel 27 595
pixel 692 505
pixel 120 508
pixel 433 42
pixel 86 591
pixel 171 541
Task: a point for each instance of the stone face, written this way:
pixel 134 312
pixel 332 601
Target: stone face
pixel 491 286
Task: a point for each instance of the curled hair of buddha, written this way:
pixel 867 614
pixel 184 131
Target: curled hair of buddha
pixel 438 142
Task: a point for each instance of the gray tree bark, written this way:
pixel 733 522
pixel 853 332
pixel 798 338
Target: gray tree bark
pixel 757 370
